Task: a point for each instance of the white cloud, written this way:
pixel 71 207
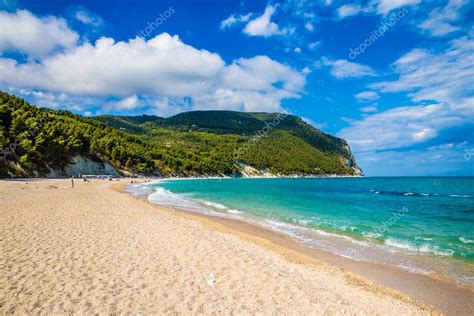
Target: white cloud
pixel 86 17
pixel 234 19
pixel 446 78
pixel 385 6
pixel 166 66
pixel 262 25
pixel 368 109
pixel 345 69
pixel 56 99
pixel 314 45
pixel 166 106
pixel 382 7
pixel 129 103
pixel 23 32
pixel 440 20
pixel 348 10
pixel 309 26
pixel 261 74
pixel 399 127
pixel 447 159
pixel 162 69
pixel 366 96
pixel 297 50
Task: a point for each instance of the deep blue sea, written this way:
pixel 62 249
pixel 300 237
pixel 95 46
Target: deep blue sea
pixel 422 224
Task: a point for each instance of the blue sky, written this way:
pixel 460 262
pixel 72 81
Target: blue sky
pixel 393 77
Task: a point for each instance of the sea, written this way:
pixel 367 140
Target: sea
pixel 422 224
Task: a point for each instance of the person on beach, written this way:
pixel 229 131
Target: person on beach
pixel 72 183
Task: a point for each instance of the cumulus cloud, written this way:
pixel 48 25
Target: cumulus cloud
pixel 140 73
pixel 166 66
pixel 34 36
pixel 345 69
pixel 129 103
pixel 262 25
pixel 261 73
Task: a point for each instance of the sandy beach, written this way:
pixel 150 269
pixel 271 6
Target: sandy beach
pixel 93 249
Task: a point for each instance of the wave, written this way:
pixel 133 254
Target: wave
pixel 299 229
pixel 233 212
pixel 466 241
pixel 165 197
pixel 315 230
pixel 415 270
pixel 372 235
pixel 419 194
pixel 216 205
pixel 423 248
pixel 139 190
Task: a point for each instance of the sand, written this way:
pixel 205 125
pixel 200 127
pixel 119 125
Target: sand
pixel 92 249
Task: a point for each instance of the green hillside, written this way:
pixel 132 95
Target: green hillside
pixel 37 141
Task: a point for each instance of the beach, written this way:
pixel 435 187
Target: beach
pixel 94 249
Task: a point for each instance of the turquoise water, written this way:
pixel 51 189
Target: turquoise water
pixel 425 225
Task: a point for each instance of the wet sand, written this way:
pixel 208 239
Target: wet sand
pixel 442 294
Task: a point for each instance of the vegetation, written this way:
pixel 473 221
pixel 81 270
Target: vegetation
pixel 34 141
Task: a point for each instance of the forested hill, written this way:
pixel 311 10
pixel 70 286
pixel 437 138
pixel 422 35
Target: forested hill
pixel 43 142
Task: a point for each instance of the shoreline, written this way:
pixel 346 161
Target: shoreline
pixel 95 249
pixel 440 293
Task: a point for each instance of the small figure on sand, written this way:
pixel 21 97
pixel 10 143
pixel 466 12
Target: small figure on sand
pixel 72 183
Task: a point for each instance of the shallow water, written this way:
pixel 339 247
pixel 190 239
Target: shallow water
pixel 424 225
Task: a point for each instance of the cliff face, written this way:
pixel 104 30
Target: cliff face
pixel 81 165
pixel 351 162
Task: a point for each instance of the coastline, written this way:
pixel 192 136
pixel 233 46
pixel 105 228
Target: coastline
pixel 96 249
pixel 442 293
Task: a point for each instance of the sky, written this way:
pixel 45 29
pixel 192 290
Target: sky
pixel 395 78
